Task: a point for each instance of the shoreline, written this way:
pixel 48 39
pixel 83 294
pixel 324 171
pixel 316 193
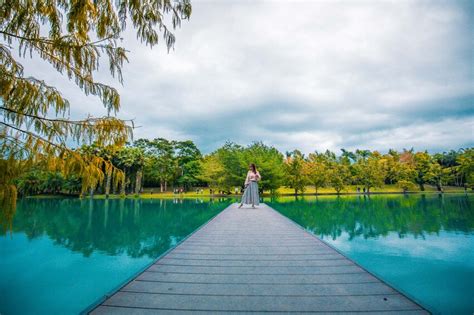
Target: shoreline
pixel 267 195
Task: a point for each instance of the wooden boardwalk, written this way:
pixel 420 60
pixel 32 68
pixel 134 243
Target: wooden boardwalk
pixel 252 261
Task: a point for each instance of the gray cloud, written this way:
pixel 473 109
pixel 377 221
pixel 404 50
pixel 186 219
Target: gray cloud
pixel 310 75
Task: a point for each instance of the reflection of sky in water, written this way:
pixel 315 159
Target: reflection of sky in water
pixel 66 275
pixel 446 245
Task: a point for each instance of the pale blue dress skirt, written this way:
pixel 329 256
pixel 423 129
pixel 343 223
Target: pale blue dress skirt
pixel 250 195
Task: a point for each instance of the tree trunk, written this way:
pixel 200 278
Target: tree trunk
pixel 108 182
pixel 138 182
pixel 122 187
pixel 438 186
pixel 161 186
pixel 422 187
pixel 115 189
pixel 166 185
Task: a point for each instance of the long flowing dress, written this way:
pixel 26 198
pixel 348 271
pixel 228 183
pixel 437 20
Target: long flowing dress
pixel 250 195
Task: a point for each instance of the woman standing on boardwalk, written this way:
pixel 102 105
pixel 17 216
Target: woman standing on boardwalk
pixel 250 195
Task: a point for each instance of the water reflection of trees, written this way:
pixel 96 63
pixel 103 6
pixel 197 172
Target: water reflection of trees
pixel 374 216
pixel 133 227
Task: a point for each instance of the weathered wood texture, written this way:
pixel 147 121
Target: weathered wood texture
pixel 255 260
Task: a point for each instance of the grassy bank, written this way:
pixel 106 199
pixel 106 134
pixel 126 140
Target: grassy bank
pixel 150 193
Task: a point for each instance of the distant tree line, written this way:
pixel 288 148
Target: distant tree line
pixel 165 165
pixel 371 169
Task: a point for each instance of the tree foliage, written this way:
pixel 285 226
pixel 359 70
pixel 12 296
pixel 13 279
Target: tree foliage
pixel 294 169
pixel 269 162
pixel 316 169
pixel 339 175
pixel 179 164
pixel 370 170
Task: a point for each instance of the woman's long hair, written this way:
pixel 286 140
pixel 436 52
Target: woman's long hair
pixel 254 168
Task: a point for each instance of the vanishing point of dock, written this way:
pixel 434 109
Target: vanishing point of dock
pixel 255 261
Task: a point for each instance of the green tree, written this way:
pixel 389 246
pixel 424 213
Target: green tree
pixel 317 170
pixel 466 166
pixel 131 161
pixel 161 164
pixel 294 169
pixel 269 162
pixel 37 181
pixel 108 171
pixel 422 168
pixel 406 175
pixel 231 157
pixel 188 156
pixel 405 169
pixel 350 156
pixel 391 163
pixel 53 183
pixel 339 175
pixel 72 185
pixel 30 183
pixel 449 163
pixel 405 185
pixel 370 170
pixel 438 175
pixel 212 171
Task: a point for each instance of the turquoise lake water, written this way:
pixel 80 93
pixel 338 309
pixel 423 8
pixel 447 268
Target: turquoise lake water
pixel 422 245
pixel 64 254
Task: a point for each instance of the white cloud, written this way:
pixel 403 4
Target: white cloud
pixel 304 74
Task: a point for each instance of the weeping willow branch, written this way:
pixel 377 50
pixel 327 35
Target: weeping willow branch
pixel 57 157
pixel 76 122
pixel 49 41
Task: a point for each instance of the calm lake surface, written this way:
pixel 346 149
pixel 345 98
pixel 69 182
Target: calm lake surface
pixel 64 254
pixel 421 244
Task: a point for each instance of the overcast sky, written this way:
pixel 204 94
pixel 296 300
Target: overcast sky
pixel 312 75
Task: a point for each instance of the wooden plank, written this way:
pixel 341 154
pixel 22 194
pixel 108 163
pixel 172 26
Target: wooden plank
pixel 260 289
pixel 248 260
pixel 255 263
pixel 258 279
pixel 106 309
pixel 262 303
pixel 305 257
pixel 261 270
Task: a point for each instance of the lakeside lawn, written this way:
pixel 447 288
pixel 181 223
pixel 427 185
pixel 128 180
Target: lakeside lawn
pixel 285 191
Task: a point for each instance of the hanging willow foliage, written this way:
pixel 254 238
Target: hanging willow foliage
pixel 72 36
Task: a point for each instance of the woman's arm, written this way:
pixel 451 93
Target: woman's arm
pixel 258 176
